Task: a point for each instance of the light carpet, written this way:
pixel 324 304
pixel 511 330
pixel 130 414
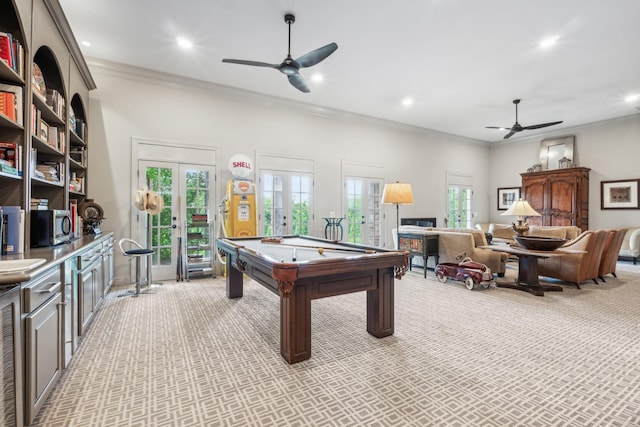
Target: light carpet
pixel 188 356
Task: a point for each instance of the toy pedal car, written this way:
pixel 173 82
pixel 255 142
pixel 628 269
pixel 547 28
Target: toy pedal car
pixel 466 270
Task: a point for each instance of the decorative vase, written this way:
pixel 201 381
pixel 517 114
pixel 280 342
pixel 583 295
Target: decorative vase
pixel 74 184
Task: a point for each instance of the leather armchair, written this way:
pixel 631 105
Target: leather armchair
pixel 577 267
pixel 610 252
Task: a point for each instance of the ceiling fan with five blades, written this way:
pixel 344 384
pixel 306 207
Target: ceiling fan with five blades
pixel 517 127
pixel 291 67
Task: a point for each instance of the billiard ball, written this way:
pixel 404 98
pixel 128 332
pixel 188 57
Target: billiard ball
pixel 320 251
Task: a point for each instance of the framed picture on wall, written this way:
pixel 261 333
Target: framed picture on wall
pixel 506 197
pixel 619 194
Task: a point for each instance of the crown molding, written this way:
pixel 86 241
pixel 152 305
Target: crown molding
pixel 60 20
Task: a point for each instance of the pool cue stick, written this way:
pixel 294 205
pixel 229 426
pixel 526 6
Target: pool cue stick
pixel 179 260
pixel 293 257
pixel 362 251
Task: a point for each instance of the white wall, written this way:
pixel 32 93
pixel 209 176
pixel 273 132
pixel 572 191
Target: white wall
pixel 610 149
pixel 131 102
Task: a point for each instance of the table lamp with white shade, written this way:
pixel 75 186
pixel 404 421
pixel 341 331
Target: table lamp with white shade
pixel 520 208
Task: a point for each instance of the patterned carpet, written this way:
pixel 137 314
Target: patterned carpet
pixel 188 356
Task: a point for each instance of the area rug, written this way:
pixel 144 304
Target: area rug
pixel 188 356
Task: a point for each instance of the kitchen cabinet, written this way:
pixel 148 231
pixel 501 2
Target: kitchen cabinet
pixel 90 287
pixel 11 360
pixel 43 338
pixel 107 265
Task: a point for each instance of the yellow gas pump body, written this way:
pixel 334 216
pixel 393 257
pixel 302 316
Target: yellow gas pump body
pixel 241 219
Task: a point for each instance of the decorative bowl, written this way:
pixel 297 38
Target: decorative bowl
pixel 534 243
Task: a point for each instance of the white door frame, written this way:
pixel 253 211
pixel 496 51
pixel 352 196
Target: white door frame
pixel 163 151
pixel 368 171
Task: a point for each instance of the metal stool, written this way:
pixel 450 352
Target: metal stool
pixel 136 251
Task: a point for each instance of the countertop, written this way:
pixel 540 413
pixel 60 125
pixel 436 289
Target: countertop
pixel 53 255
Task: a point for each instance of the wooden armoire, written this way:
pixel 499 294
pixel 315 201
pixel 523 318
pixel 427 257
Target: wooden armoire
pixel 561 196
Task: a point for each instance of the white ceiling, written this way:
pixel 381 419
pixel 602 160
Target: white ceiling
pixel 462 61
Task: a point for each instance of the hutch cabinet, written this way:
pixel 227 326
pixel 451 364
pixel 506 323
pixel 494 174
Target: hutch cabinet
pixel 561 196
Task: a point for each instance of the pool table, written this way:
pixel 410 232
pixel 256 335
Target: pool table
pixel 302 268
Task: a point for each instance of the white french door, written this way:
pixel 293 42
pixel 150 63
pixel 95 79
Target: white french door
pixel 364 211
pixel 286 203
pixel 459 205
pixel 186 189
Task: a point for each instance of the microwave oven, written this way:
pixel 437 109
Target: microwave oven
pixel 50 227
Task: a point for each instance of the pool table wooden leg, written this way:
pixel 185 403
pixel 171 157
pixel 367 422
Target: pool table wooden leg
pixel 234 280
pixel 380 306
pixel 295 324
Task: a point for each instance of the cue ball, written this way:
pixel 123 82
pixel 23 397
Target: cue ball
pixel 320 251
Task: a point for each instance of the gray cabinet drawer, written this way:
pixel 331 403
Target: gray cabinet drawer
pixel 40 289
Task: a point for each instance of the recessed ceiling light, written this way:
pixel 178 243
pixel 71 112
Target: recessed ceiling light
pixel 407 102
pixel 632 98
pixel 85 43
pixel 549 41
pixel 184 42
pixel 317 78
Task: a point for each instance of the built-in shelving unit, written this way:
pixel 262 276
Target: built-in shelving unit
pixel 12 90
pixel 44 139
pixel 44 90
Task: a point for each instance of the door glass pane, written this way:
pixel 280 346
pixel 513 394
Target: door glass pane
pixel 364 210
pixel 354 210
pixel 374 214
pixel 465 211
pixel 267 204
pixel 197 196
pixel 161 180
pixel 272 204
pixel 300 200
pixel 286 202
pixel 459 207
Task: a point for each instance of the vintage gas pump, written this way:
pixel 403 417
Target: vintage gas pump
pixel 240 199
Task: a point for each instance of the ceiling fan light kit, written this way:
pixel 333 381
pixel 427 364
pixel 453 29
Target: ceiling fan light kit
pixel 291 67
pixel 517 127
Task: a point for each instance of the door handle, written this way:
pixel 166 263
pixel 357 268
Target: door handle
pixel 174 226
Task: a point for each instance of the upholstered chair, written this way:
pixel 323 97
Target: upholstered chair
pixel 580 266
pixel 610 252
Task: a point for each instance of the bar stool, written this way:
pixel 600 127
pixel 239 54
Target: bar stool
pixel 136 251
